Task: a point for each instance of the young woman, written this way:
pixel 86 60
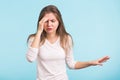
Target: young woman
pixel 51 46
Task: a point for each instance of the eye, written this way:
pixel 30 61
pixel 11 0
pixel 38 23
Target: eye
pixel 53 21
pixel 46 21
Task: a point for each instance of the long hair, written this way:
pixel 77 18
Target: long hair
pixel 64 36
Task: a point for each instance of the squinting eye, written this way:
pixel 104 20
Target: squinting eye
pixel 52 20
pixel 46 21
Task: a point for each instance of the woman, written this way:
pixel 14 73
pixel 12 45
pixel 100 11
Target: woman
pixel 51 46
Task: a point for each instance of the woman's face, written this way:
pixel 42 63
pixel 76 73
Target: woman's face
pixel 51 24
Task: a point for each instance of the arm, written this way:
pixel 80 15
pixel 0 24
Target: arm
pixel 80 65
pixel 77 64
pixel 34 43
pixel 69 55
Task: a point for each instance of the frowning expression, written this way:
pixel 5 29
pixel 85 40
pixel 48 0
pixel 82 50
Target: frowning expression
pixel 51 24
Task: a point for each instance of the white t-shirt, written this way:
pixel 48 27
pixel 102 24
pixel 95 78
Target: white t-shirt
pixel 51 60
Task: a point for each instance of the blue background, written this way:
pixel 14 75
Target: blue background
pixel 93 24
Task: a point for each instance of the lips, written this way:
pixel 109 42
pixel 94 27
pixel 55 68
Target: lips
pixel 49 29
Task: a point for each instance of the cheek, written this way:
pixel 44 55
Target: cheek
pixel 55 28
pixel 45 28
pixel 56 25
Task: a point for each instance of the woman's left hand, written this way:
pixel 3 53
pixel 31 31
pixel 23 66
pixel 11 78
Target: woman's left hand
pixel 99 61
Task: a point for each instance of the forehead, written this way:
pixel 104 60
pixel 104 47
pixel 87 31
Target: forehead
pixel 50 16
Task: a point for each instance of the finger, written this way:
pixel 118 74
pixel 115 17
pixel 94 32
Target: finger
pixel 103 59
pixel 44 19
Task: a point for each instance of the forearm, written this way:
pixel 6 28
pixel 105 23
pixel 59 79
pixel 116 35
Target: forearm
pixel 36 41
pixel 80 65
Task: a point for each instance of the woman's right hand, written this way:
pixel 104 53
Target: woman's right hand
pixel 41 24
pixel 36 41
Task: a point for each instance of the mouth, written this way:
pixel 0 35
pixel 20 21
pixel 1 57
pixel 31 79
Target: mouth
pixel 49 29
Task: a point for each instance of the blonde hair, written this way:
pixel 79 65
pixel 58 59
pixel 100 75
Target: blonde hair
pixel 65 38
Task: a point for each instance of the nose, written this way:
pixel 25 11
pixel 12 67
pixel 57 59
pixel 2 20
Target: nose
pixel 49 23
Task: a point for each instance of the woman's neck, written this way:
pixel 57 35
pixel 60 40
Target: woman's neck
pixel 51 36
